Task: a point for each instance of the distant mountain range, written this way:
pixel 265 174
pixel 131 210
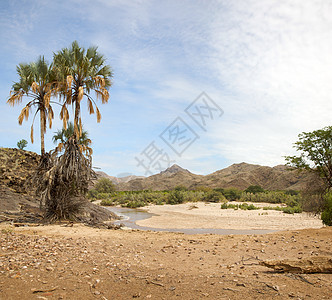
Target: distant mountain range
pixel 238 176
pixel 117 180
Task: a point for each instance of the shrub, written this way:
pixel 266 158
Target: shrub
pixel 246 206
pixel 213 196
pixel 254 189
pixel 135 204
pixel 22 144
pixel 226 206
pixel 180 188
pixel 327 212
pixel 271 197
pixel 104 185
pixel 107 202
pixel 286 210
pixel 175 197
pixel 291 210
pixel 232 194
pixel 292 202
pixel 92 194
pixel 291 192
pixel 103 195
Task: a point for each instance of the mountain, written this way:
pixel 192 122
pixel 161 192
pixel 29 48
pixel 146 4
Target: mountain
pixel 173 170
pixel 243 175
pixel 165 180
pixel 117 180
pixel 239 176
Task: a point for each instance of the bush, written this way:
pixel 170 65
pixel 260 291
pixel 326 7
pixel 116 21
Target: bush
pixel 22 144
pixel 246 206
pixel 180 188
pixel 135 204
pixel 292 202
pixel 327 212
pixel 232 194
pixel 291 192
pixel 286 210
pixel 175 197
pixel 291 210
pixel 254 189
pixel 271 197
pixel 226 206
pixel 213 196
pixel 104 185
pixel 92 194
pixel 107 202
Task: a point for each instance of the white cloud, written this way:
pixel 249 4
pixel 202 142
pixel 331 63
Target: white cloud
pixel 276 58
pixel 266 63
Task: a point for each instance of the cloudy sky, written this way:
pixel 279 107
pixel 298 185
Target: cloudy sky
pixel 264 68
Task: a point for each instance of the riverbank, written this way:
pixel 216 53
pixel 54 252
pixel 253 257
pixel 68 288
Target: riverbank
pixel 79 262
pixel 210 215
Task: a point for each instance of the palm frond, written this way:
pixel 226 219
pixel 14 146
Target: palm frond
pixel 14 98
pixel 34 87
pixel 50 116
pixel 98 115
pixel 31 134
pixel 69 81
pixel 105 97
pixel 90 107
pixel 80 94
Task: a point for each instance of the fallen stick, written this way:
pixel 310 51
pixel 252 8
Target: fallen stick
pixel 36 291
pixel 155 283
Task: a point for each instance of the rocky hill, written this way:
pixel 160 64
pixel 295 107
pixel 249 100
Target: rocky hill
pixel 17 190
pixel 16 166
pixel 238 176
pixel 117 180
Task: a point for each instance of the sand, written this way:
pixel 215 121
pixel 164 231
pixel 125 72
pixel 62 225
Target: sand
pixel 210 215
pixel 79 262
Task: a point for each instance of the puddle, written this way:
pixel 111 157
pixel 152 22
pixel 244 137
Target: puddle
pixel 131 215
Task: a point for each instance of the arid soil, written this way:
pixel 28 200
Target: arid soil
pixel 59 262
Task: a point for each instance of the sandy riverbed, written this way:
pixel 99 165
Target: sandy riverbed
pixel 204 215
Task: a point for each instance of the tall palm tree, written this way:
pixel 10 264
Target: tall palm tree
pixel 63 135
pixel 81 71
pixel 36 82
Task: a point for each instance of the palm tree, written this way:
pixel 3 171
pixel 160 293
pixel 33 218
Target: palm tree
pixel 63 135
pixel 81 71
pixel 36 82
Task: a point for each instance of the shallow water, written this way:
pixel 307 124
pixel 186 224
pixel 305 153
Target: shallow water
pixel 131 215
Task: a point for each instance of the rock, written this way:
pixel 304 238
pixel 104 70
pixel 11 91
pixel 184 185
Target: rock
pixel 311 265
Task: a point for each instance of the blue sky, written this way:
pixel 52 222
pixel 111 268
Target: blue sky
pixel 266 64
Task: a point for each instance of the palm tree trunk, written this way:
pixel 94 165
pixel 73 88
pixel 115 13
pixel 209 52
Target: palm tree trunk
pixel 76 123
pixel 42 132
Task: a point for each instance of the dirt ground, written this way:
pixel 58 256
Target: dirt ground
pixel 79 262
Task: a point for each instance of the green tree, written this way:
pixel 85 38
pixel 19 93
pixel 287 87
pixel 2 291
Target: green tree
pixel 37 83
pixel 315 154
pixel 81 71
pixel 22 144
pixel 327 212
